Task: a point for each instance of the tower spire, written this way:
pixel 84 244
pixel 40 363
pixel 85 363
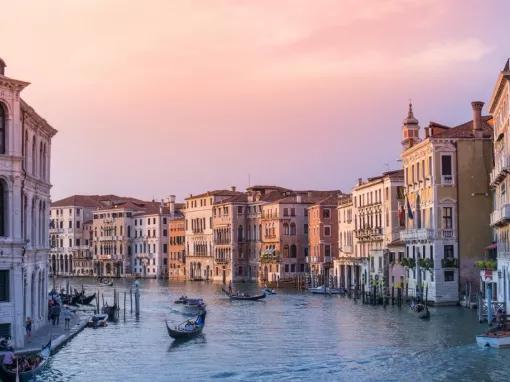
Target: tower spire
pixel 410 129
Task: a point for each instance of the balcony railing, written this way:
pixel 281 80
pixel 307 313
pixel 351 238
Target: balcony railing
pixel 501 168
pixel 450 262
pixel 368 233
pixel 501 215
pixel 418 234
pixel 447 180
pixel 221 260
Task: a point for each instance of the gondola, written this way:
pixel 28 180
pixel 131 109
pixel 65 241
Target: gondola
pixel 244 297
pixel 105 282
pixel 110 311
pixel 98 320
pixel 10 374
pixel 188 328
pixel 86 300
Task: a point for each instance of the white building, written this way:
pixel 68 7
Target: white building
pixel 25 146
pixel 70 235
pixel 500 182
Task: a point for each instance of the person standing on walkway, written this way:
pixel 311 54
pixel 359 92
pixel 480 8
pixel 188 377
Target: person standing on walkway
pixel 67 317
pixel 28 327
pixel 57 314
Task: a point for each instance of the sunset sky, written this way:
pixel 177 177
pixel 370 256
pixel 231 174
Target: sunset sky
pixel 167 97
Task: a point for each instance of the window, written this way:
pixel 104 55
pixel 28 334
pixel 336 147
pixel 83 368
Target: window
pixel 287 268
pixel 165 248
pixel 3 125
pixel 326 213
pixel 285 212
pixel 292 212
pixel 77 242
pixel 293 268
pixel 448 252
pixel 447 218
pixel 165 232
pixel 293 251
pixel 327 230
pixel 449 276
pixel 239 210
pixel 327 251
pixel 4 285
pixel 446 165
pixel 70 224
pixel 78 224
pixel 305 229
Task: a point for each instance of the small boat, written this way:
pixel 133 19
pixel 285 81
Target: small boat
pixel 187 329
pixel 181 300
pixel 421 311
pixel 40 358
pixel 326 290
pixel 269 291
pixel 105 282
pixel 98 320
pixel 244 296
pixel 494 339
pixel 194 304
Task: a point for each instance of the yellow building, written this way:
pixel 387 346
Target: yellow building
pixel 448 204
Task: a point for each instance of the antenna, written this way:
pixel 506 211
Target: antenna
pixel 249 180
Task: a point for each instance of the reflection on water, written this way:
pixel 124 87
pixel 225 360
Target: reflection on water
pixel 287 336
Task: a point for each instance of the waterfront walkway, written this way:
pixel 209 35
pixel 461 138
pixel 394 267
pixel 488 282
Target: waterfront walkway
pixel 59 335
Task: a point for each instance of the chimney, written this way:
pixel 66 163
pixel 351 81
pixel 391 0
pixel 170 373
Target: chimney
pixel 171 204
pixel 233 188
pixel 2 67
pixel 299 199
pixel 360 181
pixel 427 134
pixel 477 115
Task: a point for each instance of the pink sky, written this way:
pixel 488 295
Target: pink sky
pixel 175 97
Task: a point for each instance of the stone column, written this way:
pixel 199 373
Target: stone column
pixel 29 219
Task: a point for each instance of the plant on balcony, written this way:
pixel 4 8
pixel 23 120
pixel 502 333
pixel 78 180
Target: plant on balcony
pixel 449 262
pixel 408 262
pixel 268 258
pixel 487 264
pixel 427 264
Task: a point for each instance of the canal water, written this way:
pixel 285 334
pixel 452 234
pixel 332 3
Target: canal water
pixel 290 336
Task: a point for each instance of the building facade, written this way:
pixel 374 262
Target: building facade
pixel 71 235
pixel 198 216
pixel 323 240
pixel 25 147
pixel 500 183
pixel 447 182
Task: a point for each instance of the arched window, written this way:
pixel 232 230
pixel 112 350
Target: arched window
pixel 240 233
pixel 34 156
pixel 3 127
pixel 3 207
pixel 293 251
pixel 286 251
pixel 285 229
pixel 292 228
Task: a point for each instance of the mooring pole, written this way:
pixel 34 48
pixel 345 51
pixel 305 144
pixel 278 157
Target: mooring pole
pixel 137 299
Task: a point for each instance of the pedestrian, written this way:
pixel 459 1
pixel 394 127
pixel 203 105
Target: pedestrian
pixel 67 317
pixel 57 314
pixel 54 314
pixel 28 327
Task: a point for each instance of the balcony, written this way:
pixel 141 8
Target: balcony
pixel 419 234
pixel 501 168
pixel 446 234
pixel 221 260
pixel 447 180
pixel 500 216
pixel 369 233
pixel 346 249
pixel 450 262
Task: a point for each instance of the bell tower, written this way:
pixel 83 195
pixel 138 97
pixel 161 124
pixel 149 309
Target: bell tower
pixel 410 130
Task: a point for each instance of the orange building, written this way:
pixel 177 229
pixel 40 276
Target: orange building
pixel 176 248
pixel 323 239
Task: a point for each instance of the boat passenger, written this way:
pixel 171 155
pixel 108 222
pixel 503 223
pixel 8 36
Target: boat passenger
pixel 8 358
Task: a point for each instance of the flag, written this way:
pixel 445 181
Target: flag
pixel 409 211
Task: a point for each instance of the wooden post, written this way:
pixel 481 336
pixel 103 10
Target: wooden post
pixel 137 299
pixel 392 295
pixel 131 300
pixel 124 306
pixel 362 293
